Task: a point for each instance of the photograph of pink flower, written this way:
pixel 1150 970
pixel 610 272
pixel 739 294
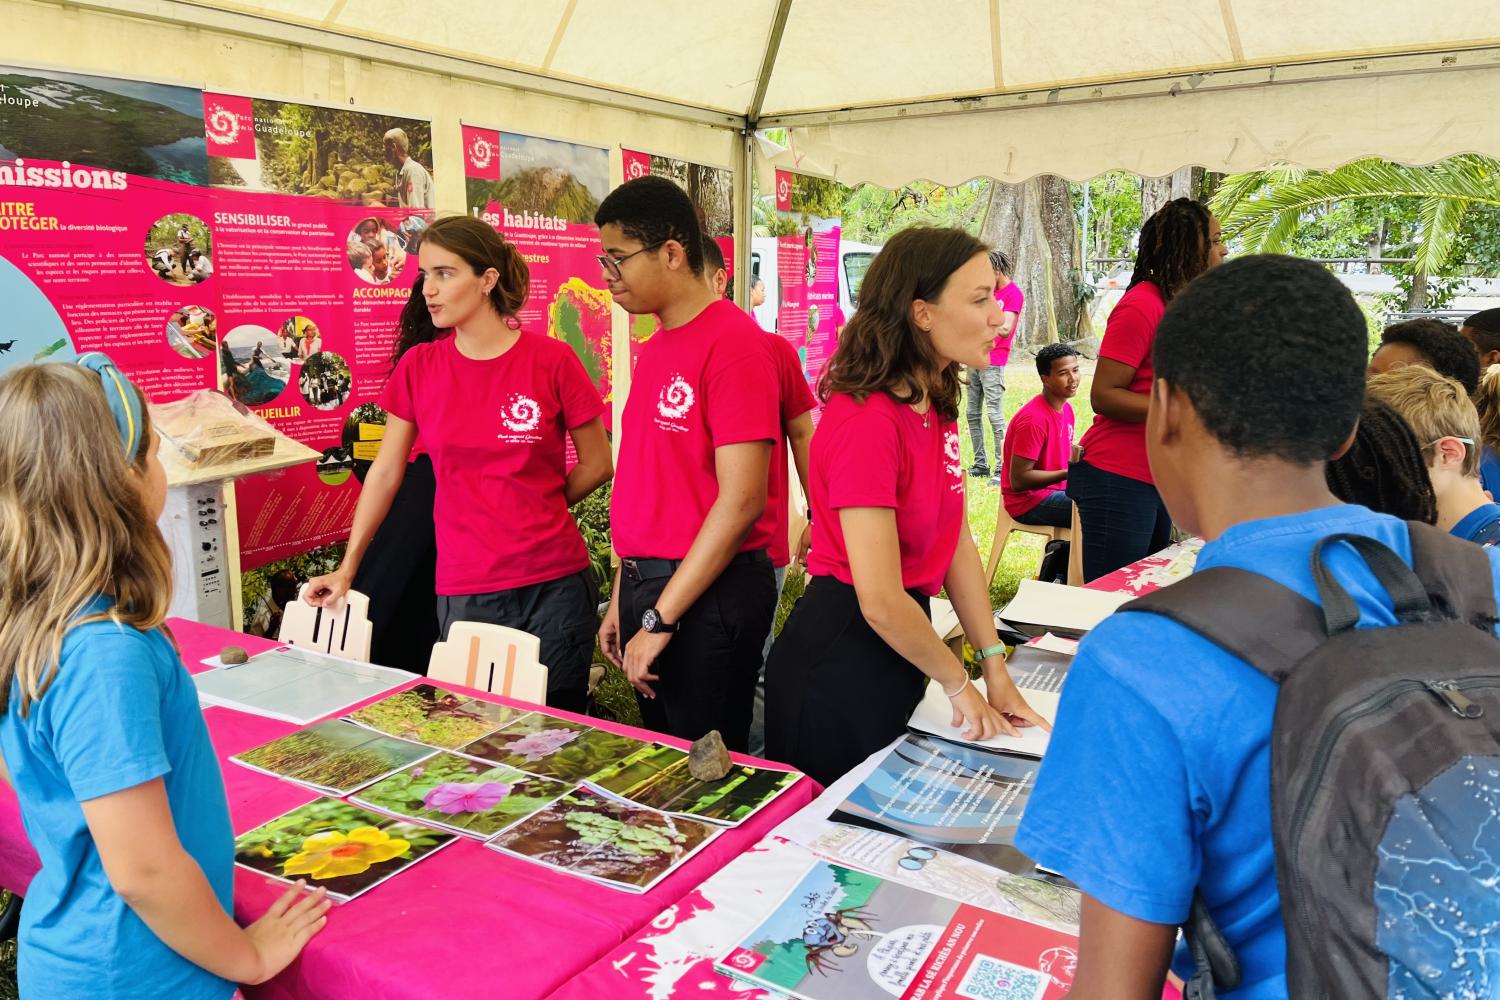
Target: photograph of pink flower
pixel 550 747
pixel 468 796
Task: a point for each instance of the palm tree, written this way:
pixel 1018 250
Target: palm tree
pixel 1263 209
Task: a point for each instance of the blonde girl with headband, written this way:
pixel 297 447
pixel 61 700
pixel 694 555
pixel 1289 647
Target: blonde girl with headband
pixel 496 407
pixel 120 789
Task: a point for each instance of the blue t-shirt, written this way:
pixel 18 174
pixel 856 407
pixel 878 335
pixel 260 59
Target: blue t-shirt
pixel 1489 471
pixel 1480 525
pixel 121 711
pixel 1158 776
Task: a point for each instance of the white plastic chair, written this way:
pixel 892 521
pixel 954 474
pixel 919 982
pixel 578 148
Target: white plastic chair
pixel 492 658
pixel 345 632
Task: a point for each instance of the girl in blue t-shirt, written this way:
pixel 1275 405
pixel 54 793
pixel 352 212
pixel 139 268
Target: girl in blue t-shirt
pixel 120 789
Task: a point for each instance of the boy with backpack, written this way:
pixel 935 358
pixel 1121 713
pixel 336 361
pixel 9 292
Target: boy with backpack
pixel 1158 791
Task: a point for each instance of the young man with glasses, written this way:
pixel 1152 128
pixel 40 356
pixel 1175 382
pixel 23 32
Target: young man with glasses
pixel 694 596
pixel 1440 413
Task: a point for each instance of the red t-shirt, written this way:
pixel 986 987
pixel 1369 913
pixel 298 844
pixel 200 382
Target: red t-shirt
pixel 1011 300
pixel 706 384
pixel 1043 435
pixel 878 454
pixel 796 399
pixel 497 434
pixel 1115 445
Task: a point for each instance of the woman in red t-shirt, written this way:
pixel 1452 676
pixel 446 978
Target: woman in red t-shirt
pixel 1122 515
pixel 495 406
pixel 887 491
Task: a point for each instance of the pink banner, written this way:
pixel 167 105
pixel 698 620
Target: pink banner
pixel 807 271
pixel 541 194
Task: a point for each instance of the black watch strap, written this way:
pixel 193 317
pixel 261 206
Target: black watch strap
pixel 651 621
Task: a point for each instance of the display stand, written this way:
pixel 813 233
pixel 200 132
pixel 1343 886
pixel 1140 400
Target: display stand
pixel 205 554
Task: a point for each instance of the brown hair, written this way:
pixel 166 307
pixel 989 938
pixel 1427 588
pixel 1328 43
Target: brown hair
pixel 881 349
pixel 482 248
pixel 72 523
pixel 1173 247
pixel 1487 402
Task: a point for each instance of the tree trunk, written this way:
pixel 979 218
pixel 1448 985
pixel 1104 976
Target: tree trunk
pixel 1184 182
pixel 1033 222
pixel 1417 297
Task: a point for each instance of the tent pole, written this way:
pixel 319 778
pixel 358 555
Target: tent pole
pixel 745 158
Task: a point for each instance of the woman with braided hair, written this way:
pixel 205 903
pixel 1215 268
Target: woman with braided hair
pixel 1384 468
pixel 1122 515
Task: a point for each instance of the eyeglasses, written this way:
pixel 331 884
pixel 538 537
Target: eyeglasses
pixel 611 265
pixel 1468 442
pixel 916 858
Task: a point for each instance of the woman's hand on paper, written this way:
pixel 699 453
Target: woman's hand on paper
pixel 981 721
pixel 1005 698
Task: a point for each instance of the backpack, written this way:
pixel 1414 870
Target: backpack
pixel 1054 567
pixel 1385 770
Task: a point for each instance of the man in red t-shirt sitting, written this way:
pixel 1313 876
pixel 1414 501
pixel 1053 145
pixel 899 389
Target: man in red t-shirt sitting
pixel 1039 445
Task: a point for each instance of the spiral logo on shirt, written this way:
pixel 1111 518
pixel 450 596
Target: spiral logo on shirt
pixel 222 125
pixel 950 445
pixel 480 152
pixel 676 399
pixel 952 452
pixel 521 414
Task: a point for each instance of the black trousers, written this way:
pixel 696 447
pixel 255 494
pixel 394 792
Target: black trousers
pixel 563 613
pixel 708 671
pixel 397 575
pixel 1123 519
pixel 835 692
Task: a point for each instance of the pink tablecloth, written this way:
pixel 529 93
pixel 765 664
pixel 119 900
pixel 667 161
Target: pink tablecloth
pixel 465 922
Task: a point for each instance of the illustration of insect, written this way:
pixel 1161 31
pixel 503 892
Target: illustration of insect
pixel 828 937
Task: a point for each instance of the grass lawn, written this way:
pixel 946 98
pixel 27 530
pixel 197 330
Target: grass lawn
pixel 615 699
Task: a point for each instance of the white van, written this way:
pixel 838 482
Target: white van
pixel 854 260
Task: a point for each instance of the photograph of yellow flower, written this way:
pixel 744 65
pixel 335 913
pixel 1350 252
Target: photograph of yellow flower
pixel 334 844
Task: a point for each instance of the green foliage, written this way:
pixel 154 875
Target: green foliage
pixel 644 839
pixel 404 793
pixel 548 191
pixel 592 515
pixel 163 233
pixel 873 214
pixel 262 609
pixel 1114 213
pixel 333 153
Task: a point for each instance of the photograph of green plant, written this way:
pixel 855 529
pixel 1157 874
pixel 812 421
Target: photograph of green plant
pixel 332 756
pixel 553 748
pixel 434 716
pixel 462 794
pixel 584 833
pixel 657 777
pixel 337 845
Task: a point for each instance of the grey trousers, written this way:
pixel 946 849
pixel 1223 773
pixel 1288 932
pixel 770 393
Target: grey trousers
pixel 986 392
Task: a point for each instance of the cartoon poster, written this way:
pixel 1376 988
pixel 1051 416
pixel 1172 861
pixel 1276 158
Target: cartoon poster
pixel 541 195
pixel 105 238
pixel 319 213
pixel 807 272
pixel 842 934
pixel 711 190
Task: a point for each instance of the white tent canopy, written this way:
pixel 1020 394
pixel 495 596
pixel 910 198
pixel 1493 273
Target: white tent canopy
pixel 893 90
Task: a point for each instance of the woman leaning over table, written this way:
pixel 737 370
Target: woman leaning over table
pixel 887 493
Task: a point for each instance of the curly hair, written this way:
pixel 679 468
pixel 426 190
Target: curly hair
pixel 1447 351
pixel 1384 469
pixel 1173 248
pixel 482 248
pixel 881 349
pixel 1047 355
pixel 653 210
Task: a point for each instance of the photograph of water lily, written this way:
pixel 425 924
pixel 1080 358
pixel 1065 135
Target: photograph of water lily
pixel 333 756
pixel 337 845
pixel 657 777
pixel 468 796
pixel 434 716
pixel 600 838
pixel 553 748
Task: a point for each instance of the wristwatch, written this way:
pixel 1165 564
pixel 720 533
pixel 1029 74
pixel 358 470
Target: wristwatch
pixel 651 622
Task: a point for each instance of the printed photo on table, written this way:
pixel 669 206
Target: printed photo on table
pixel 335 756
pixel 192 332
pixel 657 777
pixel 250 369
pixel 553 748
pixel 337 846
pixel 465 795
pixel 435 716
pixel 179 249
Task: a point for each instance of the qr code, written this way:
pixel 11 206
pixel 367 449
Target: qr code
pixel 992 978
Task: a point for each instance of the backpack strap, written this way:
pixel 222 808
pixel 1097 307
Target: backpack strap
pixel 1273 629
pixel 1457 575
pixel 1404 587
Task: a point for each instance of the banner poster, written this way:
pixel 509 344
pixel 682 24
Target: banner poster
pixel 712 192
pixel 807 271
pixel 105 236
pixel 318 214
pixel 541 195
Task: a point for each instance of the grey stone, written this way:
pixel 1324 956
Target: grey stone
pixel 231 655
pixel 708 759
